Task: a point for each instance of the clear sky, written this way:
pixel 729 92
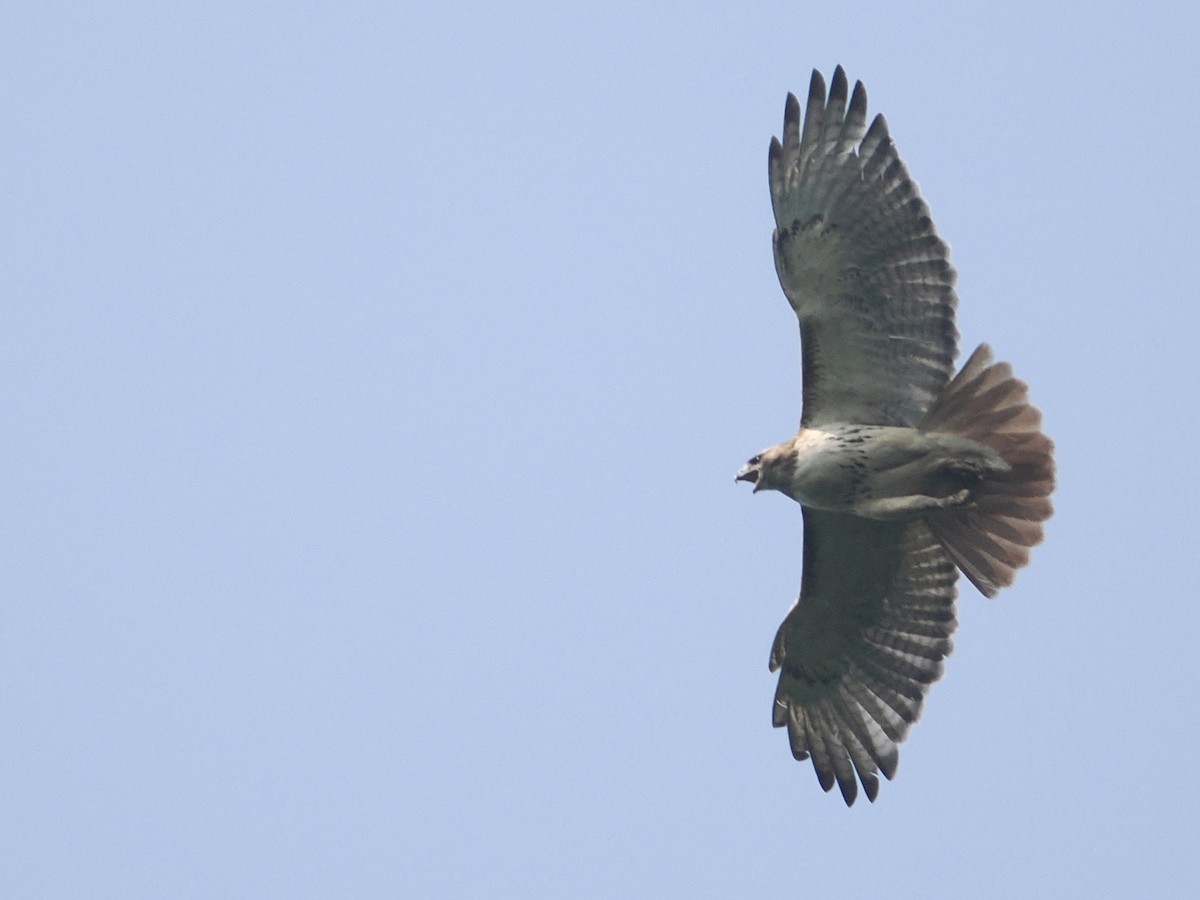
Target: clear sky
pixel 373 378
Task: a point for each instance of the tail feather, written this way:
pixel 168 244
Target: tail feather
pixel 989 539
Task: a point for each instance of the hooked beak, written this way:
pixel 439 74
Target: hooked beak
pixel 750 473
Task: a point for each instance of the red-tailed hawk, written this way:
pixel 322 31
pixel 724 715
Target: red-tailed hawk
pixel 905 475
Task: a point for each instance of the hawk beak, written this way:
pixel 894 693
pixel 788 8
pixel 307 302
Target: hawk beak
pixel 749 473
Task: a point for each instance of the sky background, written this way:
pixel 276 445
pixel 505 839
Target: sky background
pixel 372 382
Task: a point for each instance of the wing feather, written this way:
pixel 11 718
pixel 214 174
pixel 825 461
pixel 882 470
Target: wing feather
pixel 860 262
pixel 858 744
pixel 860 648
pixel 814 120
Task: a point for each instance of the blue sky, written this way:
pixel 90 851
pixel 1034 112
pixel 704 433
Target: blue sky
pixel 372 383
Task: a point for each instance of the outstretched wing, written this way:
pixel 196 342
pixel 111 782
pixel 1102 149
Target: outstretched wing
pixel 860 263
pixel 860 648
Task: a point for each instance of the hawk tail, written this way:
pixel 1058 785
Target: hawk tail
pixel 989 539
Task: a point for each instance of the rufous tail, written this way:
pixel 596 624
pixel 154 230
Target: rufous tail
pixel 989 538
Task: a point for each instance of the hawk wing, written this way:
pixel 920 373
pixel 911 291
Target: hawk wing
pixel 860 648
pixel 860 263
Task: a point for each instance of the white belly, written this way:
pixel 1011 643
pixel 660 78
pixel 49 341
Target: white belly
pixel 842 468
pixel 827 473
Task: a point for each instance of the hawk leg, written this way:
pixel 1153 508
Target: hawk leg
pixel 907 507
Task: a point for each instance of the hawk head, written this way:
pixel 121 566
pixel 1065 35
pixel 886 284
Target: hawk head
pixel 770 470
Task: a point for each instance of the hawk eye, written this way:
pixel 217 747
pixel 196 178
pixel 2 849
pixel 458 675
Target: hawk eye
pixel 755 460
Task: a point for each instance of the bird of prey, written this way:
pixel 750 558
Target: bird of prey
pixel 905 472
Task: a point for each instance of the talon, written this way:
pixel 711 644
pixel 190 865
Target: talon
pixel 959 498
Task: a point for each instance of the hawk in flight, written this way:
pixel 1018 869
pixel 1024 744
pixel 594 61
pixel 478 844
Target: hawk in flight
pixel 905 472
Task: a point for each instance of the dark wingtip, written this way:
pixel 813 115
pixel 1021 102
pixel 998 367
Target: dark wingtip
pixel 879 128
pixel 858 99
pixel 870 786
pixel 825 778
pixel 816 88
pixel 838 84
pixel 849 788
pixel 791 111
pixel 888 762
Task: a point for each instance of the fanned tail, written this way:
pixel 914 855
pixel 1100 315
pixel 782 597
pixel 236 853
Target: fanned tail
pixel 989 539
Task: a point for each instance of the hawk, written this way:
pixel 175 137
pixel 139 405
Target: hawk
pixel 905 473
